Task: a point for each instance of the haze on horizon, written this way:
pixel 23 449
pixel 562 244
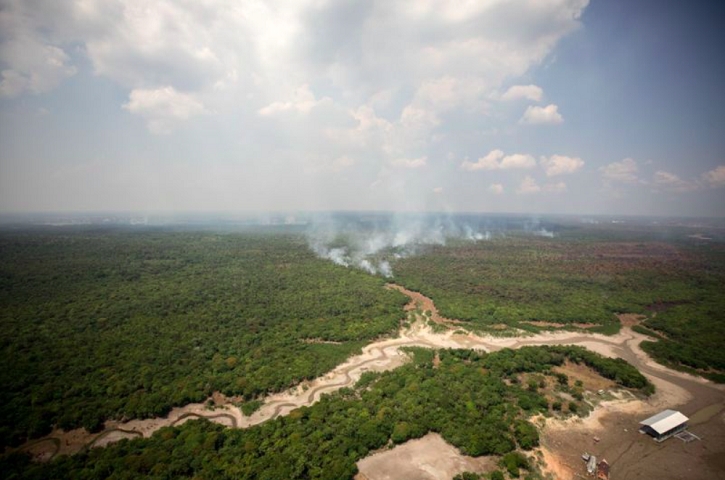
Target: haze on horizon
pixel 556 106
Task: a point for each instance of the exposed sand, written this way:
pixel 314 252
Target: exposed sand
pixel 673 388
pixel 426 458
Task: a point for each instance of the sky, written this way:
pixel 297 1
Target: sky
pixel 498 106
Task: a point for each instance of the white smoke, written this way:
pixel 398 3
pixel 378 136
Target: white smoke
pixel 385 269
pixel 534 227
pixel 373 245
pixel 542 232
pixel 337 255
pixel 470 234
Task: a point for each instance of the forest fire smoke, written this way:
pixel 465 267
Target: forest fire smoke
pixel 371 246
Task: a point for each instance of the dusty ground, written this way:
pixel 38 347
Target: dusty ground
pixel 590 379
pixel 631 455
pixel 427 458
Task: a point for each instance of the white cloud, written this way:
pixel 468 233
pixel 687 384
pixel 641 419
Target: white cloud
pixel 447 92
pixel 410 162
pixel 34 67
pixel 438 190
pixel 669 181
pixel 548 115
pixel 163 107
pixel 360 49
pixel 528 186
pixel 716 177
pixel 489 162
pixel 517 160
pixel 495 160
pixel 495 188
pixel 288 85
pixel 303 102
pixel 623 172
pixel 529 92
pixel 560 165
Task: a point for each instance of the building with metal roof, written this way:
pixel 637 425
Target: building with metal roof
pixel 663 425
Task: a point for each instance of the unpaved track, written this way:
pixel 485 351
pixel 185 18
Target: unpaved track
pixel 673 388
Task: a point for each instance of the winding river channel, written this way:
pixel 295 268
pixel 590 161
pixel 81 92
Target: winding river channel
pixel 673 388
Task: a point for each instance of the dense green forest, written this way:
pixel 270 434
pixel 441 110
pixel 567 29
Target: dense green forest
pixel 585 276
pixel 477 402
pixel 110 323
pixel 101 324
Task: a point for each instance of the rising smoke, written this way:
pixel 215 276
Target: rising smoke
pixel 371 242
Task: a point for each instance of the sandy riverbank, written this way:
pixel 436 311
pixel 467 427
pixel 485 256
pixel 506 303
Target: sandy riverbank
pixel 674 389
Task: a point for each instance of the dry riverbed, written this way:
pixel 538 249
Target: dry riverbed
pixel 614 422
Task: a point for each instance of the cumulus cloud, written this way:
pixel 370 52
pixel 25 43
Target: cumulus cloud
pixel 362 49
pixel 671 182
pixel 529 92
pixel 496 160
pixel 488 162
pixel 716 177
pixel 529 186
pixel 495 188
pixel 34 67
pixel 517 160
pixel 410 162
pixel 560 165
pixel 304 101
pixel 163 107
pixel 388 84
pixel 622 172
pixel 447 92
pixel 548 115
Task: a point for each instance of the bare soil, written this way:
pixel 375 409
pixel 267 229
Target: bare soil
pixel 633 455
pixel 590 379
pixel 427 458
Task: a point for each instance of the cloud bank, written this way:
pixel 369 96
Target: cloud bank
pixel 308 104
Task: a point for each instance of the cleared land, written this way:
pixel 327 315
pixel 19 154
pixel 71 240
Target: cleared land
pixel 426 458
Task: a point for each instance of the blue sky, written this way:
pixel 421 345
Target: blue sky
pixel 546 106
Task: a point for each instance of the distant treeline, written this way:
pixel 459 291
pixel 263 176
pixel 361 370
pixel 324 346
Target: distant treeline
pixel 475 401
pixel 585 277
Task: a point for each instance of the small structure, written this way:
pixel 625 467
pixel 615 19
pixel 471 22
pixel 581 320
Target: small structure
pixel 603 470
pixel 663 425
pixel 687 436
pixel 592 465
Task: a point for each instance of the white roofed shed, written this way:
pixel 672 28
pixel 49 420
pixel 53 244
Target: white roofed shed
pixel 664 424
